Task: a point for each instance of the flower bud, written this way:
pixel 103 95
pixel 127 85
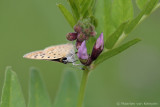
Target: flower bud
pixel 77 28
pixel 87 31
pixel 78 44
pixel 93 33
pixel 82 53
pixel 81 37
pixel 92 28
pixel 98 47
pixel 71 36
pixel 88 62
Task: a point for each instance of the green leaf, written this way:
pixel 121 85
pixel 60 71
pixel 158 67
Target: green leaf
pixel 86 7
pixel 68 92
pixel 143 14
pixel 94 21
pixel 150 6
pixel 75 8
pixel 77 5
pixel 122 10
pixel 103 14
pixel 99 14
pixel 108 54
pixel 141 3
pixel 93 5
pixel 108 24
pixel 38 96
pixel 113 38
pixel 12 94
pixel 69 17
pixel 132 24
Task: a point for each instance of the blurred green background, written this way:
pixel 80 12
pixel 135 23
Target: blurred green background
pixel 132 76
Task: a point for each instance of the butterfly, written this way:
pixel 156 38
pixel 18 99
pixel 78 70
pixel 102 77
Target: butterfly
pixel 63 53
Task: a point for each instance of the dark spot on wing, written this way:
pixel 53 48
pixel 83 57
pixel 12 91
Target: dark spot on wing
pixel 35 56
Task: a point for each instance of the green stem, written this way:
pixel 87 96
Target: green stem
pixel 82 88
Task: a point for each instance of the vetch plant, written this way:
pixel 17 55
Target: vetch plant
pixel 99 27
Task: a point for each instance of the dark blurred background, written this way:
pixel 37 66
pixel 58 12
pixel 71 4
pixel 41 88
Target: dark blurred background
pixel 132 76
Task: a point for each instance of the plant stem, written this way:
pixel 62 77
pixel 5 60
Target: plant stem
pixel 82 88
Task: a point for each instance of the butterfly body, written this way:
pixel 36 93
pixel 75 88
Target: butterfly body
pixel 60 53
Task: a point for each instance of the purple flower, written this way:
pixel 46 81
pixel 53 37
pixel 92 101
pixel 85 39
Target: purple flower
pixel 98 47
pixel 100 42
pixel 82 51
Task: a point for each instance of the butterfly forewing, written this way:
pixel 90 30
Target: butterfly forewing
pixel 52 52
pixel 35 55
